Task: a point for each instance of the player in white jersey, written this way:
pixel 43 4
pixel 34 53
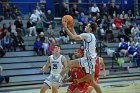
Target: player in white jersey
pixel 88 61
pixel 57 63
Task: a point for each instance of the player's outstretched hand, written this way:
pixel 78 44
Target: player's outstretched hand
pixel 42 70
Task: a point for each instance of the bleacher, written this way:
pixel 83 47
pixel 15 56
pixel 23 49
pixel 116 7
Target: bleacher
pixel 23 67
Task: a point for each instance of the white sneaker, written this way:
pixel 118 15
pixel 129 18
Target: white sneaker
pixel 74 42
pixel 30 35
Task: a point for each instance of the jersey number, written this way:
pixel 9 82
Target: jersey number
pixel 54 66
pixel 75 75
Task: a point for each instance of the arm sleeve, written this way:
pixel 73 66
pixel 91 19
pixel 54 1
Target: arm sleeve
pixel 85 36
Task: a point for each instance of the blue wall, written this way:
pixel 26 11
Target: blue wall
pixel 26 8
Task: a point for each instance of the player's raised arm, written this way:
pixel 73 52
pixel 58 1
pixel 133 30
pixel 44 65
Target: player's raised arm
pixel 70 34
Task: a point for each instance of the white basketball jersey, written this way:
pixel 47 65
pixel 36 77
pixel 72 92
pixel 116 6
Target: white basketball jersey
pixel 56 64
pixel 89 47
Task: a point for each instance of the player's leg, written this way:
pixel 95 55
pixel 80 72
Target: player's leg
pixel 71 88
pixel 89 90
pixel 44 88
pixel 55 88
pixel 89 67
pixel 47 84
pixel 95 85
pixel 76 91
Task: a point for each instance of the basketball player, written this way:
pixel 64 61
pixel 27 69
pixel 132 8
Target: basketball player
pixel 77 72
pixel 57 63
pixel 99 61
pixel 88 61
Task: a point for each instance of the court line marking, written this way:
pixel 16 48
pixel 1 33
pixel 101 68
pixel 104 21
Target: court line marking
pixel 38 87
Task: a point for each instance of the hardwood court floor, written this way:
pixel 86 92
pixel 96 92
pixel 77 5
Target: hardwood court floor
pixel 117 85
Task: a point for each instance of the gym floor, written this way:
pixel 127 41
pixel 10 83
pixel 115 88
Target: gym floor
pixel 116 85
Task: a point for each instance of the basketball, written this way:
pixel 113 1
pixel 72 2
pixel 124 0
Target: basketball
pixel 68 19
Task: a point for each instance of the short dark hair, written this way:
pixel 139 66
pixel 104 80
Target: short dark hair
pixel 58 45
pixel 93 26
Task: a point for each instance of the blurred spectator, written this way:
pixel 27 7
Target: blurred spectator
pixel 129 14
pixel 109 35
pixel 49 16
pixel 63 36
pixel 31 28
pixel 98 19
pixel 6 42
pixel 34 17
pixel 134 30
pixel 74 11
pixel 50 31
pixel 113 10
pixel 131 41
pixel 104 9
pixel 90 18
pixel 131 51
pixel 50 19
pixel 3 78
pixel 39 26
pixel 101 33
pixel 42 5
pixel 4 27
pixel 128 26
pixel 137 57
pixel 46 46
pixel 6 11
pixel 64 9
pixel 94 10
pixel 81 22
pixel 3 34
pixel 138 43
pixel 118 22
pixel 18 41
pixel 38 12
pixel 38 46
pixel 18 13
pixel 123 47
pixel 19 26
pixel 12 27
pixel 42 37
pixel 123 17
pixel 13 15
pixel 2 52
pixel 51 47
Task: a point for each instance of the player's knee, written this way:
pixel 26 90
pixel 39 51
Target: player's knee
pixel 76 91
pixel 90 88
pixel 54 87
pixel 43 89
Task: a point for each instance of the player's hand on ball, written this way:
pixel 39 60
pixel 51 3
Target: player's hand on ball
pixel 64 24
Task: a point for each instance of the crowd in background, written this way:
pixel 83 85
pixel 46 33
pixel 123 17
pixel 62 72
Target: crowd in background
pixel 108 18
